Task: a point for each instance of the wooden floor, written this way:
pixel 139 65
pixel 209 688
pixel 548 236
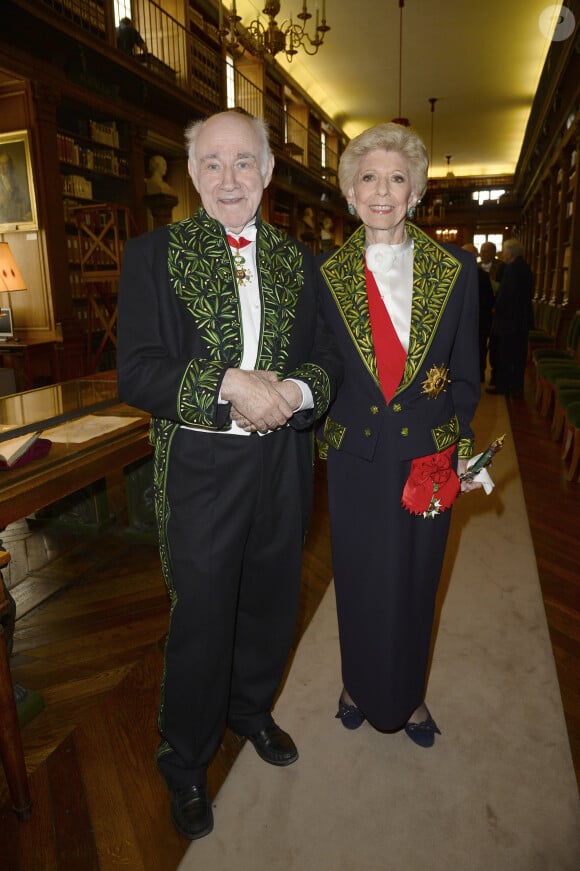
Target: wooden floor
pixel 92 614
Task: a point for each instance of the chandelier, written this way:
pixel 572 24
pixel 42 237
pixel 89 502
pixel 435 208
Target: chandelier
pixel 270 37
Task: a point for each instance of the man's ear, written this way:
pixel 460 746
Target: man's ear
pixel 269 171
pixel 192 174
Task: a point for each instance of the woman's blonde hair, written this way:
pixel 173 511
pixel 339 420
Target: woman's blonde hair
pixel 390 137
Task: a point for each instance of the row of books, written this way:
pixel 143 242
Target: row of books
pixel 103 255
pixel 77 186
pixel 106 134
pixel 95 159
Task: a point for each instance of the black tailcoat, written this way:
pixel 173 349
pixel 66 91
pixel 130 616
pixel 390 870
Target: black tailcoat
pixel 231 509
pixel 513 320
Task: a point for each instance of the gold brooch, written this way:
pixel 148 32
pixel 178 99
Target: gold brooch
pixel 436 381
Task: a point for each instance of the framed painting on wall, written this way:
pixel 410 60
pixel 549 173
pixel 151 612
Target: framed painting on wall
pixel 17 198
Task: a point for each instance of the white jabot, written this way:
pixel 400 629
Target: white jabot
pixel 392 267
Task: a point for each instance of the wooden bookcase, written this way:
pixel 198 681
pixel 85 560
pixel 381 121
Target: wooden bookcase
pixel 102 230
pixel 95 173
pixel 550 227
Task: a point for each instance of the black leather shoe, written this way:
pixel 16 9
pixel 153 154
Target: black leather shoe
pixel 274 746
pixel 191 812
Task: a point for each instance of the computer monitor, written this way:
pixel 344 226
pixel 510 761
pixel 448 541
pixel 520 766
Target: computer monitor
pixel 6 328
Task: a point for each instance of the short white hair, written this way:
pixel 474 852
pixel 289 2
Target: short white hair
pixel 514 246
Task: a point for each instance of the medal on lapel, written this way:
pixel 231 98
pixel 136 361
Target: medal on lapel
pixel 436 381
pixel 243 274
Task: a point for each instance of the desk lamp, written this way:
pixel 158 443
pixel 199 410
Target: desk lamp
pixel 11 280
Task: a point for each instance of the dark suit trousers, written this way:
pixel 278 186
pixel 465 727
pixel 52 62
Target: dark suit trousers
pixel 511 358
pixel 238 509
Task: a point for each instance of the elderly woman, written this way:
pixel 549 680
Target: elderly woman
pixel 404 312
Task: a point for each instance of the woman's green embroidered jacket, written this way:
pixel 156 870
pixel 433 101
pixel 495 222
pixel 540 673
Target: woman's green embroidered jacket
pixel 443 338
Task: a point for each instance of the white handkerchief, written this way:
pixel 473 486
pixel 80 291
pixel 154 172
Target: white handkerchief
pixel 482 476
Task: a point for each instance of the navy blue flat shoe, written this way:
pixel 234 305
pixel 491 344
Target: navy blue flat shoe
pixel 423 733
pixel 349 715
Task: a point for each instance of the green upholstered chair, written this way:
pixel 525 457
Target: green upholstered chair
pixel 572 441
pixel 541 355
pixel 567 392
pixel 546 325
pixel 554 364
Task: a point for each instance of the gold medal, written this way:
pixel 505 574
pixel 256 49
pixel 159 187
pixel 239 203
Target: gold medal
pixel 436 381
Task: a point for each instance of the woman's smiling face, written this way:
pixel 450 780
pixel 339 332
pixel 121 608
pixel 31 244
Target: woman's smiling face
pixel 382 193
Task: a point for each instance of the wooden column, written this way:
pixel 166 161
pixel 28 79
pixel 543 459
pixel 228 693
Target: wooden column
pixel 161 207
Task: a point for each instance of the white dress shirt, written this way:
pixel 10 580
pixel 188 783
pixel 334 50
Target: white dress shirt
pixel 392 267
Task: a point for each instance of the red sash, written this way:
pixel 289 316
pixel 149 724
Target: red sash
pixel 390 354
pixel 432 485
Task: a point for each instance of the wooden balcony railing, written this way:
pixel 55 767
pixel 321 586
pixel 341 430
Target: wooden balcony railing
pixel 186 61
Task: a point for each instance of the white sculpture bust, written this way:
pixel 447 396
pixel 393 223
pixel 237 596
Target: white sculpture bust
pixel 155 184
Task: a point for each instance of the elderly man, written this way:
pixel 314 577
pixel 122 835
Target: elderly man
pixel 220 340
pixel 490 263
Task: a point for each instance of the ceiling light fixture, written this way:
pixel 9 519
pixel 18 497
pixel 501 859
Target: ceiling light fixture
pixel 401 120
pixel 272 38
pixel 432 100
pixel 434 212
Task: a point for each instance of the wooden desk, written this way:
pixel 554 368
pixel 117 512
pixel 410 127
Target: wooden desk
pixel 66 469
pixel 30 359
pixel 69 468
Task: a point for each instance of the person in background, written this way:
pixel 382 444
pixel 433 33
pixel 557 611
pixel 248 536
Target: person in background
pixel 403 309
pixel 129 39
pixel 486 303
pixel 512 322
pixel 493 267
pixel 490 263
pixel 220 340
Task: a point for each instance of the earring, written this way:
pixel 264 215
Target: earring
pixel 351 209
pixel 411 212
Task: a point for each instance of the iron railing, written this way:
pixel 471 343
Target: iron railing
pixel 184 60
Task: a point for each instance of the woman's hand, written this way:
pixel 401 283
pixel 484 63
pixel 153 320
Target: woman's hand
pixel 467 485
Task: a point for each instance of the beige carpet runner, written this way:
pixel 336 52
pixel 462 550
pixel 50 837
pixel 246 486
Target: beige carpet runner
pixel 496 793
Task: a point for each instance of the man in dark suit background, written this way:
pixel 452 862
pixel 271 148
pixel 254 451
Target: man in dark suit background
pixel 512 322
pixel 128 37
pixel 219 339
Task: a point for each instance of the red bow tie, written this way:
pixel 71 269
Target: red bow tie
pixel 238 243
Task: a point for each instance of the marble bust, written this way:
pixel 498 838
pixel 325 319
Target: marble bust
pixel 156 184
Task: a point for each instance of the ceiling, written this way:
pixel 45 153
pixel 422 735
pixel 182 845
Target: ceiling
pixel 481 59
